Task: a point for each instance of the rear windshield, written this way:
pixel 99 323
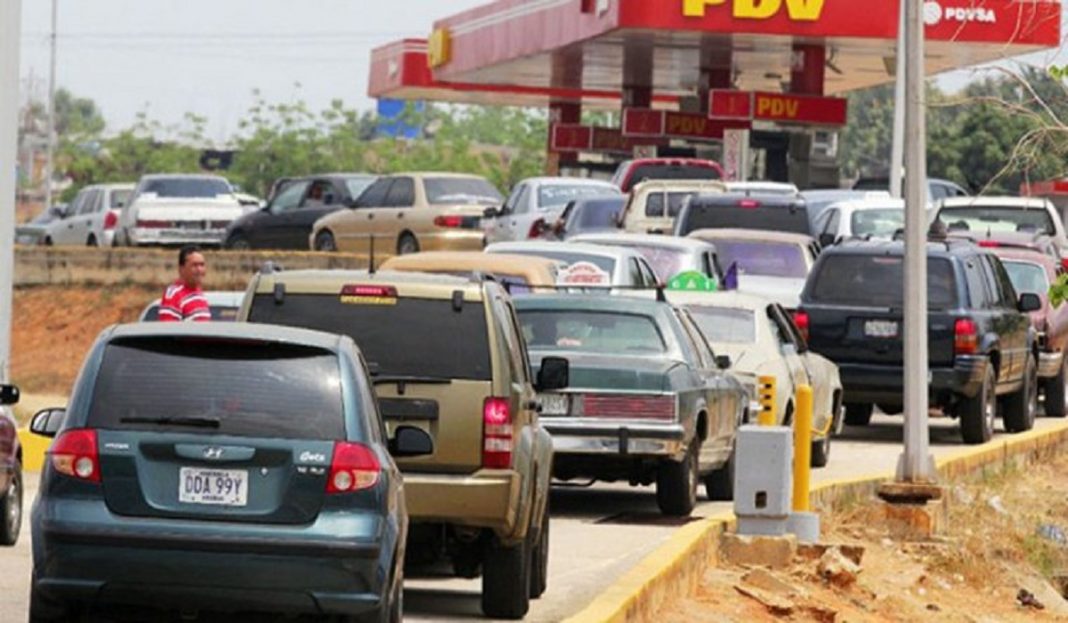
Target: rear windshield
pixel 994 219
pixel 1027 276
pixel 664 260
pixel 556 195
pixel 591 332
pixel 878 281
pixel 877 223
pixel 655 203
pixel 767 259
pixel 595 215
pixel 246 389
pixel 716 215
pixel 671 172
pixel 461 190
pixel 187 187
pixel 605 263
pixel 406 337
pixel 724 325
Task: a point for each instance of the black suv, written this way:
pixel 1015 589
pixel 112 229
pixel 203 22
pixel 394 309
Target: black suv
pixel 981 346
pixel 744 211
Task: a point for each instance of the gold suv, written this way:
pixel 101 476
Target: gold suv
pixel 446 354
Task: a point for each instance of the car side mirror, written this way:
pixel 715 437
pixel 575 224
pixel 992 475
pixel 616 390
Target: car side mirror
pixel 827 240
pixel 411 441
pixel 46 422
pixel 9 395
pixel 1029 302
pixel 492 212
pixel 723 362
pixel 553 374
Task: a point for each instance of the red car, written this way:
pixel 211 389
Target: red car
pixel 10 469
pixel 631 172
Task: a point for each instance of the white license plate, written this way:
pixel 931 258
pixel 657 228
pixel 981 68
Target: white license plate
pixel 880 328
pixel 215 487
pixel 553 404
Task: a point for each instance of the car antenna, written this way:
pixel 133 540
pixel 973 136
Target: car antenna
pixel 371 268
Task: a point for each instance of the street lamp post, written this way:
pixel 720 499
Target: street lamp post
pixel 50 153
pixel 10 34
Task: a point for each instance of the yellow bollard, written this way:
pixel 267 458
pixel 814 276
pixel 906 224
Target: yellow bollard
pixel 802 448
pixel 766 395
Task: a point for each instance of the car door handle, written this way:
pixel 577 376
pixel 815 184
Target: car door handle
pixel 370 216
pixel 400 214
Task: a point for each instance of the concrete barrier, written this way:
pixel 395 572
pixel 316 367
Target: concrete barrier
pixel 227 270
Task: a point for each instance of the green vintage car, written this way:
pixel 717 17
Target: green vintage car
pixel 647 401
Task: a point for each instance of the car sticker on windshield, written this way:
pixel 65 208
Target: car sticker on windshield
pixel 692 281
pixel 585 274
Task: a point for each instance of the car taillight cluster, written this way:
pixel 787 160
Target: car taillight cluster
pixel 624 407
pixel 74 453
pixel 353 468
pixel 452 221
pixel 965 337
pixel 111 220
pixel 801 321
pixel 496 433
pixel 150 224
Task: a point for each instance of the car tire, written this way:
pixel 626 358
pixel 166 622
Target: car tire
pixel 325 242
pixel 821 451
pixel 858 413
pixel 506 580
pixel 719 485
pixel 1054 390
pixel 539 558
pixel 978 412
pixel 676 484
pixel 238 243
pixel 47 241
pixel 407 244
pixel 1020 407
pixel 11 509
pixel 92 241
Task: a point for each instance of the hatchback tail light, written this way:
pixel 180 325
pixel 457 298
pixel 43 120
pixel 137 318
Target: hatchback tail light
pixel 452 221
pixel 965 337
pixel 496 433
pixel 353 468
pixel 111 220
pixel 537 229
pixel 147 224
pixel 74 453
pixel 801 320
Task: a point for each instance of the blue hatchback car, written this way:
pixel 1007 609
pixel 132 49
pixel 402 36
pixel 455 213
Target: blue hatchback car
pixel 221 469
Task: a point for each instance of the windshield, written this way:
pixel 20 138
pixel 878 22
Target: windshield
pixel 743 213
pixel 119 198
pixel 357 185
pixel 556 195
pixel 724 325
pixel 591 332
pixel 878 223
pixel 878 281
pixel 1027 277
pixel 461 190
pixel 992 219
pixel 768 259
pixel 187 187
pixel 666 261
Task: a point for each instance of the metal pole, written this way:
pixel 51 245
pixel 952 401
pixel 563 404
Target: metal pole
pixel 10 34
pixel 50 152
pixel 896 169
pixel 915 465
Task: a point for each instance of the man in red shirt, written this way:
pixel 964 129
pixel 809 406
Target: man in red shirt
pixel 183 299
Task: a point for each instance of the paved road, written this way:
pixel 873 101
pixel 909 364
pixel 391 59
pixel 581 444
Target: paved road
pixel 597 534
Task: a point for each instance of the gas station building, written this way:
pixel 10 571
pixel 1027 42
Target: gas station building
pixel 756 84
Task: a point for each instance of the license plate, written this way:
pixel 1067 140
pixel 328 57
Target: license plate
pixel 553 404
pixel 214 487
pixel 880 328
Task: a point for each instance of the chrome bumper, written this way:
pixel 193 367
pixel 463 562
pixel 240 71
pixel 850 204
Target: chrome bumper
pixel 1049 364
pixel 599 438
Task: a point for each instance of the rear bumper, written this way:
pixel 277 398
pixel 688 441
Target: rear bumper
pixel 867 383
pixel 600 439
pixel 145 237
pixel 485 499
pixel 1049 364
pixel 455 240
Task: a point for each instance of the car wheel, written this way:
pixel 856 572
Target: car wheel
pixel 506 580
pixel 1055 394
pixel 11 509
pixel 978 412
pixel 821 451
pixel 324 241
pixel 1020 407
pixel 676 484
pixel 858 413
pixel 92 242
pixel 238 243
pixel 719 485
pixel 47 241
pixel 539 563
pixel 407 245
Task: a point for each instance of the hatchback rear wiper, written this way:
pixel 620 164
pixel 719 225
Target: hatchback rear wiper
pixel 193 422
pixel 415 380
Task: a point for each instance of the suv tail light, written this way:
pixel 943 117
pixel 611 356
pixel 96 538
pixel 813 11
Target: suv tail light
pixel 74 454
pixel 111 220
pixel 537 228
pixel 353 468
pixel 801 320
pixel 496 433
pixel 965 337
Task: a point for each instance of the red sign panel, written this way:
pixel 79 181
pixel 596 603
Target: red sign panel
pixel 643 122
pixel 807 109
pixel 662 123
pixel 572 137
pixel 730 104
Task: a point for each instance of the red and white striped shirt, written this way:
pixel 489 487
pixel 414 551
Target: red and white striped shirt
pixel 180 302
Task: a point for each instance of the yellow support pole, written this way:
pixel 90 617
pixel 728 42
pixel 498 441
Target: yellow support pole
pixel 802 448
pixel 766 395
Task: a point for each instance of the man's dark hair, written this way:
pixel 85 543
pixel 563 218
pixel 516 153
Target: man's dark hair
pixel 185 252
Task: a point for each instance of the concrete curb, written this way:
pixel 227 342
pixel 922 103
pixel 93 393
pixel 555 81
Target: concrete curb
pixel 674 570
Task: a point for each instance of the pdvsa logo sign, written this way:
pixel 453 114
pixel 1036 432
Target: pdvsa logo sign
pixel 796 10
pixel 934 14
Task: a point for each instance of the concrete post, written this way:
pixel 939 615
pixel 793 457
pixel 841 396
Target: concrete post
pixel 10 35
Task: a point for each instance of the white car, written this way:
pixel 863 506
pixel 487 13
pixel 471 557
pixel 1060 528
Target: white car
pixel 536 204
pixel 668 255
pixel 91 218
pixel 761 339
pixel 588 264
pixel 653 205
pixel 816 201
pixel 179 209
pixel 768 263
pixel 877 219
pixel 1003 214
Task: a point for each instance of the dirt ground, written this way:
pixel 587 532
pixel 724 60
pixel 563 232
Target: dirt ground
pixel 998 560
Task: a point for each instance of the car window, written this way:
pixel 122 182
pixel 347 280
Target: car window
pixel 320 193
pixel 511 203
pixel 290 197
pixel 878 223
pixel 1027 276
pixel 591 332
pixel 877 281
pixel 654 204
pixel 77 203
pixel 375 195
pixel 556 195
pixel 705 357
pixel 1008 292
pixel 769 259
pixel 724 325
pixel 711 212
pixel 978 285
pixel 89 203
pixel 187 187
pixel 834 219
pixel 634 274
pixel 985 219
pixel 648 273
pixel 938 191
pixel 460 190
pixel 510 335
pixel 401 194
pixel 119 198
pixel 605 263
pixel 356 185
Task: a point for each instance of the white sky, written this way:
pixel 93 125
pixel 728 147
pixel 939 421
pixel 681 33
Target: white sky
pixel 170 57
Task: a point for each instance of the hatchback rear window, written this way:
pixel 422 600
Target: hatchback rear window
pixel 408 337
pixel 591 332
pixel 878 281
pixel 997 219
pixel 219 387
pixel 461 190
pixel 742 213
pixel 187 187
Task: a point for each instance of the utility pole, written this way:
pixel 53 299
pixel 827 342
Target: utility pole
pixel 50 153
pixel 896 152
pixel 10 35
